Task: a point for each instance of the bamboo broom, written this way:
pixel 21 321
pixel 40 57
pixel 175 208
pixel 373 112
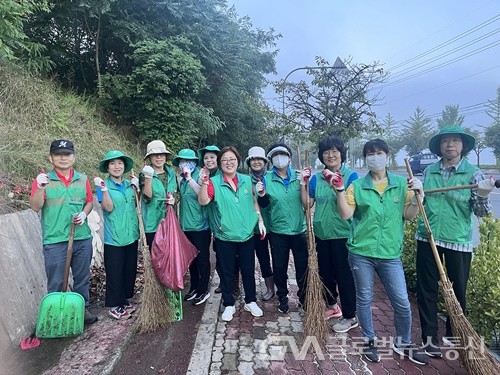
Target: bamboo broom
pixel 155 310
pixel 476 359
pixel 314 322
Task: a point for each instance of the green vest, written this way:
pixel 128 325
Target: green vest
pixel 121 225
pixel 61 205
pixel 192 216
pixel 233 217
pixel 155 210
pixel 286 213
pixel 449 212
pixel 377 223
pixel 264 212
pixel 327 222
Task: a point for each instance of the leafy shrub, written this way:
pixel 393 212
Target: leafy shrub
pixel 483 291
pixel 409 255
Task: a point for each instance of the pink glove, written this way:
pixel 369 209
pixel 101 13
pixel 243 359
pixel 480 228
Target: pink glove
pixel 338 181
pixel 170 199
pixel 204 176
pixel 187 174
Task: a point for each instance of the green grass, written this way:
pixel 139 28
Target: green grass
pixel 33 112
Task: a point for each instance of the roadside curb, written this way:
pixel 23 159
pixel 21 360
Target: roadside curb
pixel 115 358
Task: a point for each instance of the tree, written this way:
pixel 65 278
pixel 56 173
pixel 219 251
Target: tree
pixel 336 102
pixel 492 134
pixel 416 132
pixel 450 116
pixel 480 144
pixel 390 135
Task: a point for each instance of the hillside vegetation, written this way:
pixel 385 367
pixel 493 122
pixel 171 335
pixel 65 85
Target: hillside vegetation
pixel 33 112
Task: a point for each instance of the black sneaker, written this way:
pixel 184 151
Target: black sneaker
pixel 283 306
pixel 201 298
pixel 191 295
pixel 370 351
pixel 89 318
pixel 432 350
pixel 412 353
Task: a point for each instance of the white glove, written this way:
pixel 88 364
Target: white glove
pixel 134 181
pixel 262 229
pixel 304 175
pixel 170 199
pixel 80 218
pixel 415 184
pixel 485 187
pixel 42 180
pixel 98 182
pixel 187 174
pixel 148 171
pixel 260 189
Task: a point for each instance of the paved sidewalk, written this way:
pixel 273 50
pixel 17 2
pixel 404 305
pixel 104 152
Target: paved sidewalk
pixel 273 344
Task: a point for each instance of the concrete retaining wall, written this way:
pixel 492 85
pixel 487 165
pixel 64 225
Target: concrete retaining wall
pixel 22 274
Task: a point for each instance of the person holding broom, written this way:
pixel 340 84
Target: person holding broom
pixel 282 199
pixel 193 219
pixel 158 183
pixel 257 164
pixel 331 234
pixel 64 195
pixel 121 232
pixel 233 215
pixel 378 205
pixel 450 219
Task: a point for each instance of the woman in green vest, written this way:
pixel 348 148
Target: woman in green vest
pixel 450 219
pixel 194 222
pixel 331 234
pixel 378 204
pixel 233 215
pixel 121 232
pixel 158 185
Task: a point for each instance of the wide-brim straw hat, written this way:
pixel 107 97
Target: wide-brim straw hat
pixel 186 154
pixel 115 154
pixel 156 147
pixel 468 140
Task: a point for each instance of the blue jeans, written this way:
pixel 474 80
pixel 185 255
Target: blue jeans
pixel 55 262
pixel 390 272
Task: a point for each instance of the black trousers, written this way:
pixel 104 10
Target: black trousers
pixel 335 271
pixel 457 267
pixel 227 252
pixel 280 251
pixel 263 255
pixel 199 270
pixel 120 263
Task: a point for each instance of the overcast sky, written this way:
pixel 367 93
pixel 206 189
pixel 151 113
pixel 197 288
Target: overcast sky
pixel 394 32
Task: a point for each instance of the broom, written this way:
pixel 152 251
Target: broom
pixel 314 322
pixel 155 309
pixel 474 356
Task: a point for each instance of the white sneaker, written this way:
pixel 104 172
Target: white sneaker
pixel 228 313
pixel 253 309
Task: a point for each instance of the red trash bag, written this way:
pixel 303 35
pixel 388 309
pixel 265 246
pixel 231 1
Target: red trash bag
pixel 172 253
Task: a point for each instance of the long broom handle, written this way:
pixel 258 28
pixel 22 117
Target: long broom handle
pixel 439 265
pixel 310 238
pixel 139 214
pixel 69 255
pixel 458 187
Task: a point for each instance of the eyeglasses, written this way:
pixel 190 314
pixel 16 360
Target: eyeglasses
pixel 228 161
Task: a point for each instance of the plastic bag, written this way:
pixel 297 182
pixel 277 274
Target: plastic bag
pixel 172 253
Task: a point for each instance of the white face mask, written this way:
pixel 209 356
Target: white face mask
pixel 281 161
pixel 376 163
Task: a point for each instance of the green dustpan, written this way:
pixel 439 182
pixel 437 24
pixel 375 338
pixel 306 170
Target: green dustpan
pixel 61 314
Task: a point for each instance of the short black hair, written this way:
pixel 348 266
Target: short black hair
pixel 374 145
pixel 333 141
pixel 227 149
